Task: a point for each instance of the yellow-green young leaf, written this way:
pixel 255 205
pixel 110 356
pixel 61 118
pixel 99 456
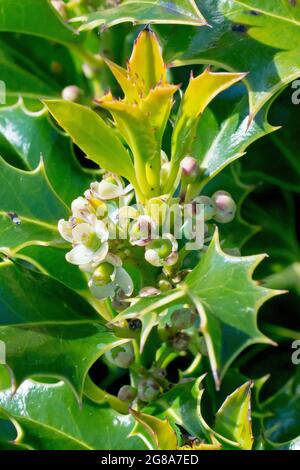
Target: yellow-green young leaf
pixel 160 431
pixel 123 78
pixel 199 93
pixel 135 127
pixel 144 12
pixel 97 140
pixel 233 419
pixel 157 106
pixel 227 300
pixel 146 65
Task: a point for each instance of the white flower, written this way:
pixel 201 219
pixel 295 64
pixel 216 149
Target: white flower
pixel 65 228
pixel 142 231
pixel 90 243
pixel 109 276
pixel 110 187
pixel 162 252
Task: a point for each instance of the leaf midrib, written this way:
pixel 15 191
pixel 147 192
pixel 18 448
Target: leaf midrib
pixel 264 12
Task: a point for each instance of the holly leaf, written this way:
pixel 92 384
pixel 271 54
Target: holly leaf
pixel 93 136
pixel 25 136
pixel 144 12
pixel 247 36
pixel 46 326
pixel 226 141
pixel 233 419
pixel 59 423
pixel 159 431
pixel 23 219
pixel 36 68
pixel 227 300
pixel 37 18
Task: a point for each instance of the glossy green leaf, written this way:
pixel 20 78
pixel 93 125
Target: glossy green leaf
pixel 182 405
pixel 37 215
pixel 233 419
pixel 93 136
pixel 31 135
pixel 229 141
pixel 244 37
pixel 46 327
pixel 37 18
pixel 227 300
pixel 59 423
pixel 144 12
pixel 35 68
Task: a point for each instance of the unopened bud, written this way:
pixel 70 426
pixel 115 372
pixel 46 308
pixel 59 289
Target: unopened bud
pixel 72 93
pixel 121 356
pixel 148 390
pixel 127 393
pixel 164 285
pixel 189 167
pixel 180 341
pixel 159 373
pixel 60 6
pixel 182 319
pixel 226 207
pixel 209 206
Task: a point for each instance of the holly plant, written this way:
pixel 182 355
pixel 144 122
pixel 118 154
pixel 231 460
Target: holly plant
pixel 134 233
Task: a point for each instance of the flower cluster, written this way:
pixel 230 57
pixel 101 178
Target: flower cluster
pixel 106 228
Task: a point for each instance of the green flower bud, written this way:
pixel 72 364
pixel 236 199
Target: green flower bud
pixel 182 319
pixel 163 247
pixel 226 207
pixel 180 341
pixel 121 356
pixel 148 390
pixel 102 274
pixel 164 285
pixel 127 393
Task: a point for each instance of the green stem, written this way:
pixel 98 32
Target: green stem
pixel 137 354
pixel 97 395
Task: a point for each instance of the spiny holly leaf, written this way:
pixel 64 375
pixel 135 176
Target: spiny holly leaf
pixel 29 208
pixel 93 136
pixel 245 35
pixel 48 329
pixel 182 405
pixel 199 93
pixel 59 423
pixel 33 67
pixel 37 18
pixel 144 12
pixel 160 431
pixel 227 141
pixel 30 135
pixel 233 419
pixel 227 300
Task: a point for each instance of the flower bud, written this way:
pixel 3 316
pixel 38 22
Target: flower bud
pixel 159 373
pixel 148 291
pixel 102 275
pixel 209 206
pixel 148 390
pixel 127 393
pixel 60 6
pixel 164 285
pixel 182 319
pixel 226 207
pixel 121 356
pixel 72 93
pixel 189 167
pixel 180 341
